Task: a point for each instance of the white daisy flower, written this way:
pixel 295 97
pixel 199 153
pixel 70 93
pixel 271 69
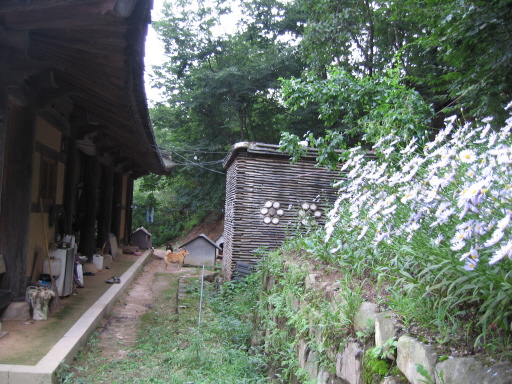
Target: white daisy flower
pixel 503 223
pixel 458 246
pixel 363 232
pixel 468 156
pixel 472 254
pixel 340 244
pixel 410 147
pixel 479 228
pixel 379 236
pixel 492 139
pixel 388 151
pixel 504 251
pixel 470 264
pixel 389 210
pixel 459 236
pixel 497 235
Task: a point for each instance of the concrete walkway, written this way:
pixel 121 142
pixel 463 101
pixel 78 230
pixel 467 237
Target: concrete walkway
pixel 63 352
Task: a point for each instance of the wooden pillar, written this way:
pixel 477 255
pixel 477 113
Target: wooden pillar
pixel 70 182
pixel 90 195
pixel 105 211
pixel 17 196
pixel 117 205
pixel 3 132
pixel 129 203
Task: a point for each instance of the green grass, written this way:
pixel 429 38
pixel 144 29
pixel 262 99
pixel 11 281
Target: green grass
pixel 170 349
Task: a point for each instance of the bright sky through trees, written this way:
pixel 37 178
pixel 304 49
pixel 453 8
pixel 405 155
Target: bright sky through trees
pixel 155 49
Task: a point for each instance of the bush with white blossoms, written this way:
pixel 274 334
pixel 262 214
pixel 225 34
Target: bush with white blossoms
pixel 440 214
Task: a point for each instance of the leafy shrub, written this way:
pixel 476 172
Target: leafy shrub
pixel 435 221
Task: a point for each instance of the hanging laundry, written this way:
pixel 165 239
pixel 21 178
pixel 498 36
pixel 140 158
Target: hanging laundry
pixel 150 214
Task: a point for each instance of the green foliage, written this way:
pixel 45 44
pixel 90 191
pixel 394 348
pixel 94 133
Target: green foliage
pixel 423 372
pixel 169 348
pixel 226 85
pixel 456 54
pixel 472 45
pixel 366 108
pixel 431 226
pixel 369 69
pixel 374 368
pixel 383 351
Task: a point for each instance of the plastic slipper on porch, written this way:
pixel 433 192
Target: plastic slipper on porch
pixel 113 280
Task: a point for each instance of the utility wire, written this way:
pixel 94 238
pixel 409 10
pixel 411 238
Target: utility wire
pixel 189 162
pixel 191 150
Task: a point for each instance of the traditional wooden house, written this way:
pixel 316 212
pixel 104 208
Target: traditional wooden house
pixel 268 197
pixel 74 126
pixel 201 251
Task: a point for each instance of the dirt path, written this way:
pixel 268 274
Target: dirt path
pixel 119 331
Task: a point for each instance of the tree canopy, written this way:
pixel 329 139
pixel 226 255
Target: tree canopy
pixel 344 71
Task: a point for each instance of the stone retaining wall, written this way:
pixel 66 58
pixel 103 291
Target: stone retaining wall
pixel 345 361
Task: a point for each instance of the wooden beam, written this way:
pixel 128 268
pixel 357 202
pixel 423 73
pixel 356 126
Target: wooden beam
pixel 90 195
pixel 3 136
pixel 105 211
pixel 16 197
pixel 128 210
pixel 14 39
pixel 70 181
pixel 117 204
pixel 63 13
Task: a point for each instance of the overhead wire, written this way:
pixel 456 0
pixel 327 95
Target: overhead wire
pixel 190 162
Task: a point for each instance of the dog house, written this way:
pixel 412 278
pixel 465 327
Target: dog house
pixel 141 238
pixel 268 197
pixel 201 251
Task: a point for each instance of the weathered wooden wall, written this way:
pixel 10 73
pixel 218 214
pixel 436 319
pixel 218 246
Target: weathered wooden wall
pixel 255 179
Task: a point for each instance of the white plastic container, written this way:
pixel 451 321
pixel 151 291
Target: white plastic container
pixel 56 265
pixel 98 261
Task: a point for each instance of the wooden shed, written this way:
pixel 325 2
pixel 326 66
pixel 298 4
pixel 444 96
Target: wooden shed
pixel 268 197
pixel 201 251
pixel 141 238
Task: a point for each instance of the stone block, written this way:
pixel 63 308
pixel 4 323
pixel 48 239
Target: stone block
pixel 348 363
pixel 310 281
pixel 17 310
pixel 316 335
pixel 323 376
pixel 460 371
pixel 385 327
pixel 302 353
pixel 411 352
pixel 500 373
pixel 293 301
pixel 364 316
pixel 391 380
pixel 312 365
pixel 467 370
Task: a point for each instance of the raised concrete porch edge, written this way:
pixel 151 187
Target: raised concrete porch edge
pixel 67 348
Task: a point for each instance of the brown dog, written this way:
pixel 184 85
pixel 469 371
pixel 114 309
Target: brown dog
pixel 175 257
